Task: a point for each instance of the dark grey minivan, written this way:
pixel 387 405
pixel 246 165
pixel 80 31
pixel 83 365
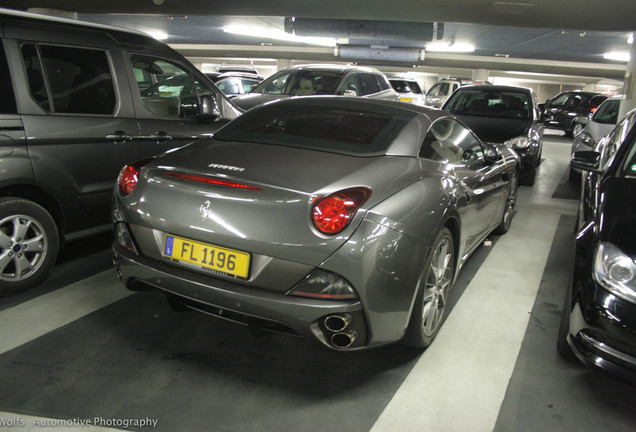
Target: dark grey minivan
pixel 77 103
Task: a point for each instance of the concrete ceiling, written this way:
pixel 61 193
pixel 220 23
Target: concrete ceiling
pixel 565 37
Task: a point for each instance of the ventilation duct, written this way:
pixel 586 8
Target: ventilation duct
pixel 358 52
pixel 363 29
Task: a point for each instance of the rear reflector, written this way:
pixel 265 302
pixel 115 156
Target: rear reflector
pixel 213 181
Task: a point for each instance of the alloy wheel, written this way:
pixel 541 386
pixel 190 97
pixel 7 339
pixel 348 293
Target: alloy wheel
pixel 438 283
pixel 23 246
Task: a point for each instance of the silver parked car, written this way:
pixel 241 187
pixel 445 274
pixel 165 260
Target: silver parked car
pixel 319 79
pixel 341 220
pixel 589 130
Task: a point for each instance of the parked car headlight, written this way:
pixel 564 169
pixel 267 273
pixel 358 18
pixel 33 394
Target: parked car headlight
pixel 615 271
pixel 585 139
pixel 520 142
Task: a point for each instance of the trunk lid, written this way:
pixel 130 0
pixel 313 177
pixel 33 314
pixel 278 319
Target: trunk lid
pixel 273 216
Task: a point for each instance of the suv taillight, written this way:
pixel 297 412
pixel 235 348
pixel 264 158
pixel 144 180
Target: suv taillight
pixel 332 214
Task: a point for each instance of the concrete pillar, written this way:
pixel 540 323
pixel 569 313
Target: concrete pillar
pixel 629 89
pixel 282 64
pixel 480 75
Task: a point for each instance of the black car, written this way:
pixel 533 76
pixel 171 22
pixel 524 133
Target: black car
pixel 560 111
pixel 598 323
pixel 503 115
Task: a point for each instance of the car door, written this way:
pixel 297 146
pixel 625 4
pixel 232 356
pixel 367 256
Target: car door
pixel 480 184
pixel 73 112
pixel 166 96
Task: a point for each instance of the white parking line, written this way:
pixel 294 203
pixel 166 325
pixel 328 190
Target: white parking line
pixel 34 318
pixel 459 383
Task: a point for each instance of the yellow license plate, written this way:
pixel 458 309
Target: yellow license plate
pixel 224 260
pixel 405 99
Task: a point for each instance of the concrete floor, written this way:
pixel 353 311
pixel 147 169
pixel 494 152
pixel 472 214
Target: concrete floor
pixel 80 350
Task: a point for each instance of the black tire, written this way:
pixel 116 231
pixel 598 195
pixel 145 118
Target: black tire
pixel 432 292
pixel 511 205
pixel 529 178
pixel 574 177
pixel 564 326
pixel 29 244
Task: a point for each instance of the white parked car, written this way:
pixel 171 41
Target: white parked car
pixel 409 90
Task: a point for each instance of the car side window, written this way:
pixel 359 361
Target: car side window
pixel 383 82
pixel 614 140
pixel 275 86
pixel 369 84
pixel 7 96
pixel 559 100
pixel 449 140
pixel 70 80
pixel 249 84
pixel 352 83
pixel 167 90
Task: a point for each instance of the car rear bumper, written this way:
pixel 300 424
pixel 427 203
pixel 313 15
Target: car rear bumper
pixel 267 310
pixel 604 337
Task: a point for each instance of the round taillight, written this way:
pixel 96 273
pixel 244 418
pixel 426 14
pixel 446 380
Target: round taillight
pixel 333 213
pixel 128 179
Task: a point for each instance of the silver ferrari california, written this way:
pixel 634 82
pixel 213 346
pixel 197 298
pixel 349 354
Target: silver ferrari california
pixel 343 220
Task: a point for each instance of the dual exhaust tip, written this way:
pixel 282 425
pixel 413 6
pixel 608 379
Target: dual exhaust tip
pixel 341 337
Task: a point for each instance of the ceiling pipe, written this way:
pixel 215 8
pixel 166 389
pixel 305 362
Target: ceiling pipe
pixel 357 52
pixel 363 29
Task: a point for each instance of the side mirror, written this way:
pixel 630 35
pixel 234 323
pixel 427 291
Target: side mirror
pixel 491 154
pixel 586 161
pixel 209 109
pixel 582 120
pixel 350 93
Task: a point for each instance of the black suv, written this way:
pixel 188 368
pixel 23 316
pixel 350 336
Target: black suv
pixel 77 103
pixel 560 111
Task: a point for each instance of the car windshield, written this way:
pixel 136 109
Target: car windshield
pixel 403 86
pixel 608 112
pixel 358 130
pixel 494 103
pixel 303 82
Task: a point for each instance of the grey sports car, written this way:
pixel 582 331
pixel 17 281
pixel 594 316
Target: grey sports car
pixel 343 220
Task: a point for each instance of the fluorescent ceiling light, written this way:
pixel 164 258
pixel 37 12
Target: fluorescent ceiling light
pixel 457 47
pixel 157 34
pixel 622 56
pixel 269 33
pixel 630 39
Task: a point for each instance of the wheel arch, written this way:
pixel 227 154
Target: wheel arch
pixel 37 195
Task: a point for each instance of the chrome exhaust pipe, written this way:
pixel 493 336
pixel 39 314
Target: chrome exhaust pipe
pixel 344 339
pixel 337 323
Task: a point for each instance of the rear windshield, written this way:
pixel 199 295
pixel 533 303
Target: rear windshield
pixel 334 128
pixel 506 104
pixel 402 86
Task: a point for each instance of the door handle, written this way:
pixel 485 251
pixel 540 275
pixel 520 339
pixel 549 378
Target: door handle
pixel 118 137
pixel 159 136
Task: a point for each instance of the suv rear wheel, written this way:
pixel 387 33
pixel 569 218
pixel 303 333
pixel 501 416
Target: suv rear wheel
pixel 29 244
